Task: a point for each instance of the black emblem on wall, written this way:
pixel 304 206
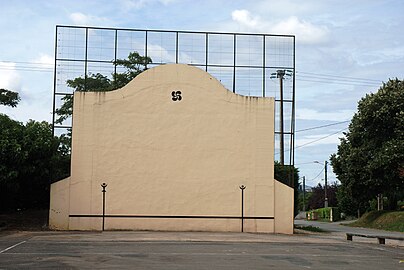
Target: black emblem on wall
pixel 176 95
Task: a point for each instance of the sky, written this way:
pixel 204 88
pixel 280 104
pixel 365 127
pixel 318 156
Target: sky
pixel 344 50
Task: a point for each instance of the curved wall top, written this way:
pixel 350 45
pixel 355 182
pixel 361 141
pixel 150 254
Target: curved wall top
pixel 173 141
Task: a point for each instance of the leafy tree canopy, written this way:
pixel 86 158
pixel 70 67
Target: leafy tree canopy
pixel 370 159
pixel 9 98
pixel 289 175
pixel 30 158
pixel 132 66
pixel 317 196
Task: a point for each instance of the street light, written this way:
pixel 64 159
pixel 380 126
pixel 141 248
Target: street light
pixel 325 182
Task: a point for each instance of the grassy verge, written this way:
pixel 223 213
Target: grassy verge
pixel 382 220
pixel 309 228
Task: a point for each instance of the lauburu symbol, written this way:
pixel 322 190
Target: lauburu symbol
pixel 176 95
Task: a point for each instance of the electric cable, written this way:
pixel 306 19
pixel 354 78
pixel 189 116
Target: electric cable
pixel 316 140
pixel 317 175
pixel 317 127
pixel 336 76
pixel 322 138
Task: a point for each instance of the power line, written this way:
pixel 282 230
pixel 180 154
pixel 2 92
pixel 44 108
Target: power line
pixel 340 82
pixel 319 139
pixel 317 175
pixel 337 76
pixel 328 125
pixel 322 138
pixel 26 69
pixel 25 62
pixel 26 66
pixel 316 77
pixel 333 80
pixel 310 162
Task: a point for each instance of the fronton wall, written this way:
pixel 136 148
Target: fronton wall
pixel 173 146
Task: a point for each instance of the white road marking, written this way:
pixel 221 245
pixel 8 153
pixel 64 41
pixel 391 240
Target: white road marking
pixel 13 246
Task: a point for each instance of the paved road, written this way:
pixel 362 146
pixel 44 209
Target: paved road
pixel 337 227
pixel 173 250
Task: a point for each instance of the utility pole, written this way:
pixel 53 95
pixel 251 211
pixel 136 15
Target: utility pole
pixel 304 193
pixel 280 74
pixel 325 182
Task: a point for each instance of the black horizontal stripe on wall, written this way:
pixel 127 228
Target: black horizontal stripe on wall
pixel 157 216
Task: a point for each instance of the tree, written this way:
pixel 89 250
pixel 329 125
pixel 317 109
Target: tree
pixel 289 175
pixel 9 98
pixel 30 158
pixel 302 202
pixel 316 199
pixel 133 65
pixel 370 159
pixel 11 157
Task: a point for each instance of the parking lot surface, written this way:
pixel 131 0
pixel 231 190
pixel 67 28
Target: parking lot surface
pixel 191 250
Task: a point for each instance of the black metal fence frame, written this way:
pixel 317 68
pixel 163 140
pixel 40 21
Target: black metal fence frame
pixel 290 132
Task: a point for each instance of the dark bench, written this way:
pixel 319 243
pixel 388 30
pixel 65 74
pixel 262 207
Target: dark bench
pixel 380 238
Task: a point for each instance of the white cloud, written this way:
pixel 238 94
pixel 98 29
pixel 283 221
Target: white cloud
pixel 139 4
pixel 133 4
pixel 244 17
pixel 166 2
pixel 79 18
pixel 9 77
pixel 159 54
pixel 320 139
pixel 45 60
pixel 310 114
pixel 305 31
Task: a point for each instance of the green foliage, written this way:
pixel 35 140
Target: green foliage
pixel 370 160
pixel 317 196
pixel 307 199
pixel 9 98
pixel 310 228
pixel 133 65
pixel 94 82
pixel 324 214
pixel 400 205
pixel 30 157
pixel 289 175
pixel 11 152
pixel 347 203
pixel 28 154
pixel 382 220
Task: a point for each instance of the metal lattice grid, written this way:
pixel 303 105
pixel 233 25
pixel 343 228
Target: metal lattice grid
pixel 243 63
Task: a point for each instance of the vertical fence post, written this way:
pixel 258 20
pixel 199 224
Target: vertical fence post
pixel 242 187
pixel 103 185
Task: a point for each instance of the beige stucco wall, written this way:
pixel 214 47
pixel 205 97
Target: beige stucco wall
pixel 284 202
pixel 167 158
pixel 59 205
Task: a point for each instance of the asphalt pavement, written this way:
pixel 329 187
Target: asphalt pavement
pixel 191 250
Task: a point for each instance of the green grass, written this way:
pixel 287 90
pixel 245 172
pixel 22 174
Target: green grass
pixel 382 220
pixel 309 228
